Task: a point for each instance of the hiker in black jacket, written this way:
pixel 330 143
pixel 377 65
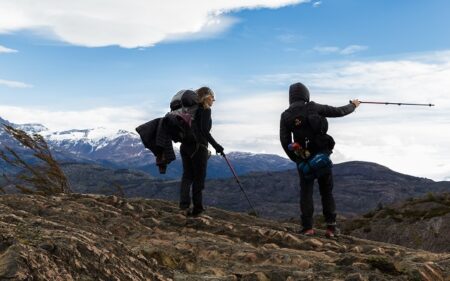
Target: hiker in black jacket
pixel 301 106
pixel 195 154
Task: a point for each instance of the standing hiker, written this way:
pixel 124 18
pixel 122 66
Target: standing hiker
pixel 305 121
pixel 195 154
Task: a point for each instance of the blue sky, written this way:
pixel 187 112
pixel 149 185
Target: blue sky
pixel 77 64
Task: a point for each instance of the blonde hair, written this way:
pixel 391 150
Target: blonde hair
pixel 203 93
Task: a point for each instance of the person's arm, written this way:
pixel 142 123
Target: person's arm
pixel 286 139
pixel 205 126
pixel 331 111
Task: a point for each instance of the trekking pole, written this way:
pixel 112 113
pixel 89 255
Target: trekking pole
pixel 396 103
pixel 240 185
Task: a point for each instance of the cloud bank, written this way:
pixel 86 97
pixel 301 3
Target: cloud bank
pixel 351 49
pixel 14 84
pixel 129 24
pixel 4 49
pixel 317 4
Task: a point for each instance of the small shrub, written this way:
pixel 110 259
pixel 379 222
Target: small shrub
pixel 430 196
pixel 369 215
pixel 45 178
pixel 383 264
pixel 119 190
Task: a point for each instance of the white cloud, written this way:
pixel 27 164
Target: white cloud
pixel 14 84
pixel 288 38
pixel 129 24
pixel 342 51
pixel 317 4
pixel 415 145
pixel 327 49
pixel 353 49
pixel 3 49
pixel 415 79
pixel 250 123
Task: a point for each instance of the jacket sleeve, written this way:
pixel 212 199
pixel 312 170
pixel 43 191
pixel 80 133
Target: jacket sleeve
pixel 331 111
pixel 286 139
pixel 205 127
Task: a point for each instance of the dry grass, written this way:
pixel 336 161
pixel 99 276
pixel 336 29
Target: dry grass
pixel 44 178
pixel 119 190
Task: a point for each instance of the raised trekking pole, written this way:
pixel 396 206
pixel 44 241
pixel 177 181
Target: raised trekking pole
pixel 396 103
pixel 253 213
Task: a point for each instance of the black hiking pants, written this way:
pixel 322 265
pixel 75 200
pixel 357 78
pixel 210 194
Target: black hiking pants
pixel 306 199
pixel 195 160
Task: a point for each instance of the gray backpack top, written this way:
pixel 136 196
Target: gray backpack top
pixel 178 121
pixel 185 104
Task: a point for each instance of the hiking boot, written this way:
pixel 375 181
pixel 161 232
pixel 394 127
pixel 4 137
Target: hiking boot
pixel 308 232
pixel 186 211
pixel 197 212
pixel 332 231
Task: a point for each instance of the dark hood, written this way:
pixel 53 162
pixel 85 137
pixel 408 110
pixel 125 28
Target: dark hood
pixel 298 92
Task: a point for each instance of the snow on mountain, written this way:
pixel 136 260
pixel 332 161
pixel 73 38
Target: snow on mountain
pixel 92 136
pixel 97 138
pixel 116 147
pixel 32 128
pixel 3 121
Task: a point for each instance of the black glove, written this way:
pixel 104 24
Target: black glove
pixel 219 150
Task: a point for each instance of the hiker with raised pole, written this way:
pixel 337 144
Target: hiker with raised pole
pixel 304 138
pixel 195 154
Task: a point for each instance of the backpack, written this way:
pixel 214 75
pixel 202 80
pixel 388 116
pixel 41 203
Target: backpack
pixel 178 122
pixel 310 130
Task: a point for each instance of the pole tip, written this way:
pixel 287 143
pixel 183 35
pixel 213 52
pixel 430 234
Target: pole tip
pixel 253 213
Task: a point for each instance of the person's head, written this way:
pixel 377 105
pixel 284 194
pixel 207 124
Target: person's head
pixel 205 96
pixel 298 92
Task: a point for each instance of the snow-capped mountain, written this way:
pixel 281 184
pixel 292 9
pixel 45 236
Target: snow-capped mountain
pixel 32 128
pixel 118 148
pixel 124 149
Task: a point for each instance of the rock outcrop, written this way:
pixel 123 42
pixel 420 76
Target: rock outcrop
pixel 422 223
pixel 92 237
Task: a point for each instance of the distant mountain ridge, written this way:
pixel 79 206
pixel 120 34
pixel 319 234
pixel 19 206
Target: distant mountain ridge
pixel 274 194
pixel 122 149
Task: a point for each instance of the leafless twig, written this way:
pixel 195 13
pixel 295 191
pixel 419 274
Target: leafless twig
pixel 45 178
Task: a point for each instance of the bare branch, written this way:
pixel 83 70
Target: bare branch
pixel 45 178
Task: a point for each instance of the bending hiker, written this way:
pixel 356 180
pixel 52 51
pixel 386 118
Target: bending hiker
pixel 305 121
pixel 195 154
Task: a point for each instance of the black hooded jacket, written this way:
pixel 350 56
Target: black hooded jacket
pixel 202 127
pixel 298 99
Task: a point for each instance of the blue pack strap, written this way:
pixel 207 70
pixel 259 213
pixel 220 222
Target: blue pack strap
pixel 315 166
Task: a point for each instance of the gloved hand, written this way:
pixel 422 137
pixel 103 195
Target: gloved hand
pixel 219 150
pixel 355 102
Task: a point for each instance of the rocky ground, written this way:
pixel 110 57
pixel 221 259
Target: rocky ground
pixel 92 237
pixel 421 223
